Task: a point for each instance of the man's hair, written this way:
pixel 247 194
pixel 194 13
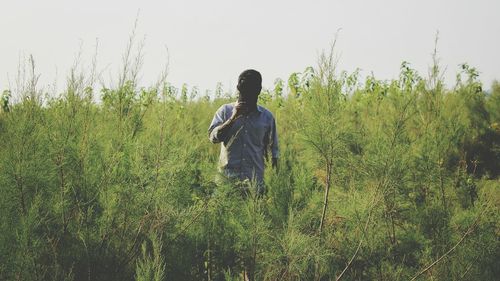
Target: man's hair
pixel 250 82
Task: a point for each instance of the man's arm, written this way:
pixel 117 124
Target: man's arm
pixel 219 128
pixel 274 145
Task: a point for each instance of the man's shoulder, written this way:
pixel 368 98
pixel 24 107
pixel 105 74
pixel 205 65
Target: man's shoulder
pixel 265 111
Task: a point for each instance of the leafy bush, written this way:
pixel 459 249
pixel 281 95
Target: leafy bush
pixel 378 180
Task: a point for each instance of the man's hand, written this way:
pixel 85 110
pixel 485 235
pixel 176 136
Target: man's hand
pixel 275 163
pixel 240 109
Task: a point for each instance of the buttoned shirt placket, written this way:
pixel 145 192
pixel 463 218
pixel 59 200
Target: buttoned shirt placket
pixel 243 151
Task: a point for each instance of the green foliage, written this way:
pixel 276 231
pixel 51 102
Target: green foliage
pixel 126 188
pixel 151 267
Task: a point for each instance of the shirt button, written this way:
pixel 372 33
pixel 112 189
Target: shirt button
pixel 246 131
pixel 243 159
pixel 244 145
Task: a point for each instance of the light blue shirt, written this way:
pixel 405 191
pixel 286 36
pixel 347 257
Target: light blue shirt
pixel 246 142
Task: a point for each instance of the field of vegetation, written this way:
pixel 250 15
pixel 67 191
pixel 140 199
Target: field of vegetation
pixel 377 180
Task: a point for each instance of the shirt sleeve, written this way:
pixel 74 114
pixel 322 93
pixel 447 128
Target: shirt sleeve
pixel 213 131
pixel 274 140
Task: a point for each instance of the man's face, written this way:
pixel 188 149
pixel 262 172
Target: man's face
pixel 249 84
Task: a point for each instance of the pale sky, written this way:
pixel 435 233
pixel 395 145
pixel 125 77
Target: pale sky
pixel 213 41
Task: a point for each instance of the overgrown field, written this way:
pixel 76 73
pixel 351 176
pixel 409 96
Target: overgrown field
pixel 124 188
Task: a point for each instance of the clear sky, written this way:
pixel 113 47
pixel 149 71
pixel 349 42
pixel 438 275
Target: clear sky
pixel 213 41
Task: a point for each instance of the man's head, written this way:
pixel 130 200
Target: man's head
pixel 250 84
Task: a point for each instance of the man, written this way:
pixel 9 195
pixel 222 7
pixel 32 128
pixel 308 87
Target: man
pixel 247 132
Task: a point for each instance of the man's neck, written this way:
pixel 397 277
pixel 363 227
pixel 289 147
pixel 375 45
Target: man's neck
pixel 252 108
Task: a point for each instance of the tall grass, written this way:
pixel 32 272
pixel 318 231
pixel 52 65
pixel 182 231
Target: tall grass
pixel 378 180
